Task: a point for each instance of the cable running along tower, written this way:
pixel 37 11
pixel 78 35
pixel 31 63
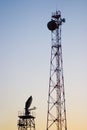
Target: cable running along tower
pixel 56 114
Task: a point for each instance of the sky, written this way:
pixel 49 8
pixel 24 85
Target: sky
pixel 25 59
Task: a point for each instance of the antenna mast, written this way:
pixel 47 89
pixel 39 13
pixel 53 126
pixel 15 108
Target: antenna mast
pixel 27 120
pixel 56 114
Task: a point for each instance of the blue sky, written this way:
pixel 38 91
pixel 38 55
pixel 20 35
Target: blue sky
pixel 25 54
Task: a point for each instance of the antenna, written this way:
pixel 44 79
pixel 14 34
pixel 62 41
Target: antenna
pixel 27 119
pixel 56 113
pixel 28 102
pixel 27 105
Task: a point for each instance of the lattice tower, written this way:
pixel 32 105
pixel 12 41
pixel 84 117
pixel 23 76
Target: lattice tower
pixel 56 114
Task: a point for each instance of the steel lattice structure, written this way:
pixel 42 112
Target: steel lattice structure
pixel 26 123
pixel 56 114
pixel 27 119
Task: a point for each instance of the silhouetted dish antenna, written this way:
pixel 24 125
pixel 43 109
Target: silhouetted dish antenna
pixel 55 22
pixel 26 119
pixel 27 105
pixel 52 25
pixel 28 102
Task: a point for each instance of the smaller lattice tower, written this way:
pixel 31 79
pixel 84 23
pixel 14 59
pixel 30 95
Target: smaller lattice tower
pixel 27 119
pixel 56 114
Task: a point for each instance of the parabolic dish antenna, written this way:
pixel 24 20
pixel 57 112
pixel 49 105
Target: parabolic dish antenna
pixel 28 102
pixel 52 25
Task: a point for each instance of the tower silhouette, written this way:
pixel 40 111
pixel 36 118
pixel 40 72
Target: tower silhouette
pixel 56 114
pixel 27 120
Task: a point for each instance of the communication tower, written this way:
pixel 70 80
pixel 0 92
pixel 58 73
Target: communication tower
pixel 27 120
pixel 56 114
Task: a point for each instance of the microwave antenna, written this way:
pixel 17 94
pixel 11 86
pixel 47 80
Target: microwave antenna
pixel 27 119
pixel 56 113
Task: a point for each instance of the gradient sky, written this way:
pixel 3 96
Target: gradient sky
pixel 25 54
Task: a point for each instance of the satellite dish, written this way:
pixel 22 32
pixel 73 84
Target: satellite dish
pixel 28 102
pixel 52 25
pixel 27 105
